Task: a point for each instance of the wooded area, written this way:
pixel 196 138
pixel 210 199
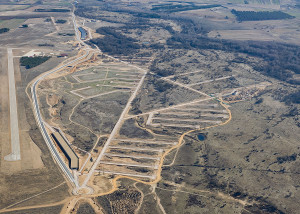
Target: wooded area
pixel 52 10
pixel 114 42
pixel 260 15
pixel 31 62
pixel 4 30
pixel 179 7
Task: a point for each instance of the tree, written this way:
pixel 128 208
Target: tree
pixel 4 30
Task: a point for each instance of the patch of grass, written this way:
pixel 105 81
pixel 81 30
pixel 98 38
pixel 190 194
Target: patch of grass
pixel 13 7
pixel 12 23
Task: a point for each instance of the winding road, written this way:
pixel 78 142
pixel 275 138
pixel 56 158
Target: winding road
pixel 37 112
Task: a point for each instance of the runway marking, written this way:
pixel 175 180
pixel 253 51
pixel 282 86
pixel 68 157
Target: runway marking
pixel 15 154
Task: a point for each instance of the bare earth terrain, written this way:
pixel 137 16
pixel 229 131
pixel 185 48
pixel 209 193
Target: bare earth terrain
pixel 168 106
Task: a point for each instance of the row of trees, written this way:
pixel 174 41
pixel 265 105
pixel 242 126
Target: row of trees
pixel 46 45
pixel 60 21
pixel 260 15
pixel 179 7
pixel 4 30
pixel 57 10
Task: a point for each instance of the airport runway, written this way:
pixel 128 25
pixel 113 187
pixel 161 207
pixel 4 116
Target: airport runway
pixel 14 123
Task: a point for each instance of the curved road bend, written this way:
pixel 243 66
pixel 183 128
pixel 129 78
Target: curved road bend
pixel 37 112
pixel 41 125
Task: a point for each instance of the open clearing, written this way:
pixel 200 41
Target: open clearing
pixel 13 7
pixel 12 23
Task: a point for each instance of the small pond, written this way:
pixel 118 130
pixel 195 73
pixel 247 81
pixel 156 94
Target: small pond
pixel 201 136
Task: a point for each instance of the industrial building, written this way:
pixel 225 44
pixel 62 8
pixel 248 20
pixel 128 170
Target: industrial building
pixel 67 150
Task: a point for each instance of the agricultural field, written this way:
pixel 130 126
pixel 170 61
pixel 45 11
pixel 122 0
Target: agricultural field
pixel 12 7
pixel 12 23
pixel 12 2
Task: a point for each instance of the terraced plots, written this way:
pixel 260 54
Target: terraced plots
pixel 134 157
pixel 141 61
pixel 105 79
pixel 191 116
pixel 88 103
pixel 203 81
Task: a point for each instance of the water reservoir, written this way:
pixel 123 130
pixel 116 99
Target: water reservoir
pixel 201 137
pixel 82 32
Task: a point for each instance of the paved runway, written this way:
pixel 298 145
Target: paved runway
pixel 14 123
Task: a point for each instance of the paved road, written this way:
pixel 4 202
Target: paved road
pixel 78 37
pixel 41 125
pixel 37 112
pixel 14 123
pixel 116 127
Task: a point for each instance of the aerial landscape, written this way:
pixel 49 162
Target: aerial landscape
pixel 150 106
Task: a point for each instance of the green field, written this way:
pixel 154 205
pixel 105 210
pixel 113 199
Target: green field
pixel 12 23
pixel 295 12
pixel 13 7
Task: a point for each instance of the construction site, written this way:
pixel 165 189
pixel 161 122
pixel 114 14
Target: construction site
pixel 135 112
